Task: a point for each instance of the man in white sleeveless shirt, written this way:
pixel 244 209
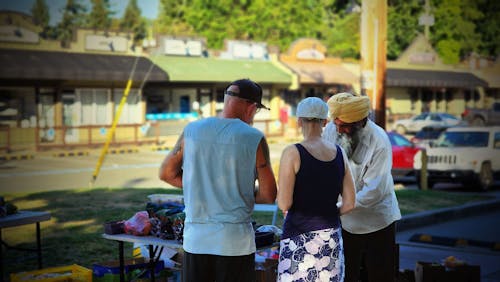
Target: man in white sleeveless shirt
pixel 216 162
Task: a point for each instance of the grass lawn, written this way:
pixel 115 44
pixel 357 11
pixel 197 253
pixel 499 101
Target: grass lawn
pixel 73 235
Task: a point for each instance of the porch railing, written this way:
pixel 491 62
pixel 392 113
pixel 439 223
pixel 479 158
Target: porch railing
pixel 91 136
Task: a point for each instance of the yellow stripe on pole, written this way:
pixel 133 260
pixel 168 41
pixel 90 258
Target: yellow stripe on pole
pixel 111 132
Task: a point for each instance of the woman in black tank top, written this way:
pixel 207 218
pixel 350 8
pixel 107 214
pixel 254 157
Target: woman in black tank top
pixel 312 175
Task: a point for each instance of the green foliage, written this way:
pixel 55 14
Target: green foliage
pixel 454 33
pixel 100 15
pixel 132 21
pixel 73 235
pixel 40 13
pixel 461 26
pixel 402 25
pixel 41 17
pixel 489 28
pixel 171 19
pixel 344 39
pixel 449 50
pixel 71 19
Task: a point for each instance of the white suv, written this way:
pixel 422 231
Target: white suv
pixel 469 155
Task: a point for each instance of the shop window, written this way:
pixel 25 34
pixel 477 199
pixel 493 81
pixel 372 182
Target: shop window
pixel 413 92
pixel 156 104
pixel 94 106
pixel 471 95
pixel 184 104
pixel 18 107
pixel 131 112
pixel 71 116
pixel 46 110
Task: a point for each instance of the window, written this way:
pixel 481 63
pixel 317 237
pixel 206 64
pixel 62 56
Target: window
pixel 400 141
pixel 94 106
pixel 131 112
pixel 421 117
pixel 463 139
pixel 435 117
pixel 496 142
pixel 46 114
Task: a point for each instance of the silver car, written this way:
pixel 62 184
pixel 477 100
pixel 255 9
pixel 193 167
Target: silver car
pixel 416 123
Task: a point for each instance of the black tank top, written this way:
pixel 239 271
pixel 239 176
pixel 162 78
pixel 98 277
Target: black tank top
pixel 317 187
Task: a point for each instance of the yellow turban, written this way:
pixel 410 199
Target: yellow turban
pixel 348 107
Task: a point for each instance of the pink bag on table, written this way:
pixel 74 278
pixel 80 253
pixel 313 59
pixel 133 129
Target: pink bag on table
pixel 139 224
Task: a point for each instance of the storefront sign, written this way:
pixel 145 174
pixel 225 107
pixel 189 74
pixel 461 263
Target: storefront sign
pixel 310 54
pixel 103 43
pixel 18 34
pixel 426 58
pixel 183 47
pixel 245 50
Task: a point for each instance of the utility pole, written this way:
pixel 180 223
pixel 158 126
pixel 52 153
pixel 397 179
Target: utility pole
pixel 426 19
pixel 373 55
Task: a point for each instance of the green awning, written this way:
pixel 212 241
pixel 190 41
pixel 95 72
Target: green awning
pixel 201 69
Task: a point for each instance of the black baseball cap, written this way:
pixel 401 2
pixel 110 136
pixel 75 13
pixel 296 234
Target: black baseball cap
pixel 249 90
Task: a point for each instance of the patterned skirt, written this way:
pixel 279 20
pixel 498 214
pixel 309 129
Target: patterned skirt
pixel 313 256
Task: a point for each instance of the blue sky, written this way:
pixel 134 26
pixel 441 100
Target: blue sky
pixel 149 8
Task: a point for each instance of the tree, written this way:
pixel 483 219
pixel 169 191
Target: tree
pixel 489 28
pixel 40 13
pixel 71 19
pixel 171 19
pixel 454 33
pixel 343 39
pixel 276 22
pixel 461 26
pixel 41 18
pixel 402 25
pixel 133 22
pixel 100 15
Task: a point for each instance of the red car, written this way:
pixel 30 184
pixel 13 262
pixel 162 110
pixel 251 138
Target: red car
pixel 403 151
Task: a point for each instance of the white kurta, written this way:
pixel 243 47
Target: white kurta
pixel 376 203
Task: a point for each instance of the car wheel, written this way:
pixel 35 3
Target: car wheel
pixel 485 177
pixel 478 121
pixel 401 129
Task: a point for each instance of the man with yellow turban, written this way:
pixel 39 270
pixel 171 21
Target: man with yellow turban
pixel 369 231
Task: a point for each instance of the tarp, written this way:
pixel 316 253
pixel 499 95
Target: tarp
pixel 211 69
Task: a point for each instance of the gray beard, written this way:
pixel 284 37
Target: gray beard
pixel 349 143
pixel 346 143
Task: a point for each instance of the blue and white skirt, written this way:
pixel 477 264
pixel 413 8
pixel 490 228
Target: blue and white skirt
pixel 313 256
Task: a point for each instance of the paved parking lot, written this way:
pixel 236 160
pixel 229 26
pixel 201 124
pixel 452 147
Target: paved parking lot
pixel 47 172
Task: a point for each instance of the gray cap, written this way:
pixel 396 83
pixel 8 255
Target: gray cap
pixel 312 107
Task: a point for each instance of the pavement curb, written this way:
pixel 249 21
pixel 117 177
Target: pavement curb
pixel 445 214
pixel 16 157
pixel 161 148
pixel 70 154
pixel 123 151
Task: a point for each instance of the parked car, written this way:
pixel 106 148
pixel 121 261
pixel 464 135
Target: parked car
pixel 417 122
pixel 403 152
pixel 427 134
pixel 482 117
pixel 469 155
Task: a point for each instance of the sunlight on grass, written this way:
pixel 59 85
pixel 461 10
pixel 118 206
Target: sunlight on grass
pixel 20 234
pixel 31 204
pixel 72 224
pixel 74 232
